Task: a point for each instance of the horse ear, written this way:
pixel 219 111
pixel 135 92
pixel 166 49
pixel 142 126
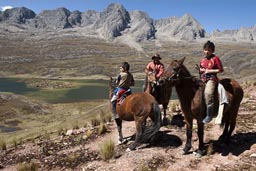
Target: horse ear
pixel 182 60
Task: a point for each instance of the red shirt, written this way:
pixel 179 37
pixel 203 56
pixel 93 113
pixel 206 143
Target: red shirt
pixel 158 69
pixel 212 63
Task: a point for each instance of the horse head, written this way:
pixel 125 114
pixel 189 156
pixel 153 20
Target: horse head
pixel 112 86
pixel 176 71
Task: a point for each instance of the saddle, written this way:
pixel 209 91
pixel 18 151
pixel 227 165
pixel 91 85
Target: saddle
pixel 122 95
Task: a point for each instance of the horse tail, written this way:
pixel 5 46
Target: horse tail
pixel 150 131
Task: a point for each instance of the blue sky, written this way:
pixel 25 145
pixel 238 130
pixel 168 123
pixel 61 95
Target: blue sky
pixel 211 14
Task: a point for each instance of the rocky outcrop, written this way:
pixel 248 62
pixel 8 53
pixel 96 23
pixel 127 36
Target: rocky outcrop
pixel 142 26
pixel 89 17
pixel 244 34
pixel 75 19
pixel 184 28
pixel 112 21
pixel 52 19
pixel 17 15
pixel 241 35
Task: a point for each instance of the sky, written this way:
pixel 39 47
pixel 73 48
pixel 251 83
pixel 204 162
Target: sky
pixel 211 14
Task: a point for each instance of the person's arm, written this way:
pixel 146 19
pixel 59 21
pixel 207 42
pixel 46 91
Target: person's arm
pixel 161 71
pixel 148 68
pixel 118 79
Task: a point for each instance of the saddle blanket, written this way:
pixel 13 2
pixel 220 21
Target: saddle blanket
pixel 223 99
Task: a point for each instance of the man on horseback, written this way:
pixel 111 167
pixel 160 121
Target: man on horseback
pixel 124 81
pixel 155 66
pixel 210 66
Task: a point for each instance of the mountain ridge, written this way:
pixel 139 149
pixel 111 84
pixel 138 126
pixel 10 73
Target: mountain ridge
pixel 115 21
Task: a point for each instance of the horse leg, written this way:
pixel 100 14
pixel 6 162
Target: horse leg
pixel 140 126
pixel 224 135
pixel 119 128
pixel 231 129
pixel 189 137
pixel 232 125
pixel 165 120
pixel 200 134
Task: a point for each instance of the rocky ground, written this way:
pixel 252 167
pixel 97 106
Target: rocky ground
pixel 80 150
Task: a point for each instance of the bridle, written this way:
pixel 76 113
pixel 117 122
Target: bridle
pixel 177 77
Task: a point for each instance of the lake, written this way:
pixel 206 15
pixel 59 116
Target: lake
pixel 88 90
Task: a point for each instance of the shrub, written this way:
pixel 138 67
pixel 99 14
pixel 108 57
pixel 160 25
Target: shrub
pixel 75 125
pixel 210 149
pixel 89 133
pixel 3 145
pixel 107 150
pixel 27 167
pixel 95 122
pixel 108 117
pixel 102 129
pixel 61 131
pixel 15 143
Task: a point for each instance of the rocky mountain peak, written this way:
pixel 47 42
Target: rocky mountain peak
pixel 142 26
pixel 112 21
pixel 75 18
pixel 52 19
pixel 17 15
pixel 188 28
pixel 184 28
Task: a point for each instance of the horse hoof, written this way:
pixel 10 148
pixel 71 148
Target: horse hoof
pixel 198 153
pixel 119 142
pixel 128 150
pixel 184 152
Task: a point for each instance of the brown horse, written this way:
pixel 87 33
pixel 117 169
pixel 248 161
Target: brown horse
pixel 160 90
pixel 193 106
pixel 138 107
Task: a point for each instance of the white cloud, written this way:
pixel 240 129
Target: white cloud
pixel 5 8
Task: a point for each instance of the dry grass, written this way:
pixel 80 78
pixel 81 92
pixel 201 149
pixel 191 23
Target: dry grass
pixel 102 129
pixel 107 150
pixel 27 167
pixel 61 118
pixel 3 145
pixel 66 56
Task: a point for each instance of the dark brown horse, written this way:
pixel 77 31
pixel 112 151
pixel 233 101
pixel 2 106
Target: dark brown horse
pixel 138 107
pixel 193 105
pixel 160 90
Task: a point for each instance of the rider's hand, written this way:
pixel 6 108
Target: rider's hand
pixel 202 70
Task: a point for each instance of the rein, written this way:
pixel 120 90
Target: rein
pixel 176 77
pixel 176 74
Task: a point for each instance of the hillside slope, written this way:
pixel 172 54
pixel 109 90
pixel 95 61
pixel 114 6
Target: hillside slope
pixel 78 151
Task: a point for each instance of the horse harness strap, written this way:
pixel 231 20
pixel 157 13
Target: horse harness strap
pixel 176 74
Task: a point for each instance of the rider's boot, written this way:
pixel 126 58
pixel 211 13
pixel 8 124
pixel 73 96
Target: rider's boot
pixel 209 112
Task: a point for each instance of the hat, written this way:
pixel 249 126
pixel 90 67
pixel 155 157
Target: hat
pixel 156 56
